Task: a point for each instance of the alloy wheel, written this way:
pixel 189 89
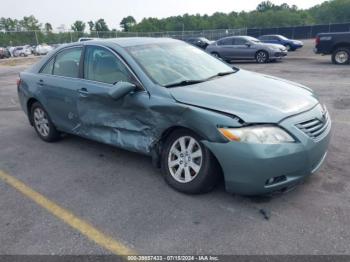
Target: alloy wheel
pixel 342 57
pixel 41 122
pixel 261 57
pixel 185 159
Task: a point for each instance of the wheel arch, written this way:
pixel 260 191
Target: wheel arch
pixel 29 105
pixel 261 50
pixel 340 45
pixel 166 133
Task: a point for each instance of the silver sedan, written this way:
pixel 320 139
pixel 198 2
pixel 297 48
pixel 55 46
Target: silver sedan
pixel 246 48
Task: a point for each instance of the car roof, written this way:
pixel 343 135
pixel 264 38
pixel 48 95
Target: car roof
pixel 132 41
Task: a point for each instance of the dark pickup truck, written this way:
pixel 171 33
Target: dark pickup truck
pixel 336 44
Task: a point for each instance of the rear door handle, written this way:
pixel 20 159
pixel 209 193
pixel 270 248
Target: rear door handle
pixel 83 92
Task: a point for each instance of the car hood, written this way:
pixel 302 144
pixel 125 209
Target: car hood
pixel 253 97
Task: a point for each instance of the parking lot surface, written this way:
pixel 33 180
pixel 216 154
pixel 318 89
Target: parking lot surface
pixel 124 197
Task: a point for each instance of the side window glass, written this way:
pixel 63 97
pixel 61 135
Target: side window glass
pixel 67 63
pixel 48 67
pixel 240 41
pixel 226 41
pixel 103 66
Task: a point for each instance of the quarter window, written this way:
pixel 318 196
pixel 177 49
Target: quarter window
pixel 102 65
pixel 67 62
pixel 48 67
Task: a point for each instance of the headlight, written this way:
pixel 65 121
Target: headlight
pixel 274 48
pixel 257 135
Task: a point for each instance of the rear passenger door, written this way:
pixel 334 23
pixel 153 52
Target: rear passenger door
pixel 60 81
pixel 112 121
pixel 225 48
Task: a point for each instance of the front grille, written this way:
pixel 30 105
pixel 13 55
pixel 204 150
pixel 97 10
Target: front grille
pixel 315 127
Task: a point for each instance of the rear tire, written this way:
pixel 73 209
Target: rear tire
pixel 187 165
pixel 262 57
pixel 341 56
pixel 43 124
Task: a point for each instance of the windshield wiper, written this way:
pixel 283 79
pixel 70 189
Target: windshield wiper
pixel 220 74
pixel 192 82
pixel 184 83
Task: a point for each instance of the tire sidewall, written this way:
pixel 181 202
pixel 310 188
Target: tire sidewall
pixel 204 180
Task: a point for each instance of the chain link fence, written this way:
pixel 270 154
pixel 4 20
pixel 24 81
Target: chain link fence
pixel 12 38
pixel 38 37
pixel 300 32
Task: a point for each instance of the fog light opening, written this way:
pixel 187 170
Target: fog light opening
pixel 275 180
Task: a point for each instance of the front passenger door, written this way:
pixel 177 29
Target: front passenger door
pixel 103 118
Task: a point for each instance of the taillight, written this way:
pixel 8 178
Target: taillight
pixel 18 82
pixel 317 40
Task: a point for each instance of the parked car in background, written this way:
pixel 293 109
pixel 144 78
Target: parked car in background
pixel 246 48
pixel 21 51
pixel 290 44
pixel 29 49
pixel 335 44
pixel 200 42
pixel 42 49
pixel 195 115
pixel 4 53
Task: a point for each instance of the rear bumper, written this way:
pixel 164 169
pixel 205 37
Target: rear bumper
pixel 254 169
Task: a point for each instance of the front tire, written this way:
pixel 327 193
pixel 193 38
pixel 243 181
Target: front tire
pixel 43 124
pixel 341 56
pixel 215 54
pixel 187 165
pixel 262 57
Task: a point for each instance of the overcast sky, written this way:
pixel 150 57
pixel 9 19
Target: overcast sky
pixel 67 11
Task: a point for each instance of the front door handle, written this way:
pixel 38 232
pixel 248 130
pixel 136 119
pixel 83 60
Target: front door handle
pixel 41 82
pixel 83 92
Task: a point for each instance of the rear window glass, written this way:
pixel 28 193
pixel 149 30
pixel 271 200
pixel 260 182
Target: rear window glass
pixel 67 62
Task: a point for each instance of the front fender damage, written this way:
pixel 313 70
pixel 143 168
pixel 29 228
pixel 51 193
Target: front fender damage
pixel 137 123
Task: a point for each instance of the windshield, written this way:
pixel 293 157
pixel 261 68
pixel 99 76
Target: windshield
pixel 282 37
pixel 170 63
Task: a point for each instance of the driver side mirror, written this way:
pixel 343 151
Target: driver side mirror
pixel 248 44
pixel 121 89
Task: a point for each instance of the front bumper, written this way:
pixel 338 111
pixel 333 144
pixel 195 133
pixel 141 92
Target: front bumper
pixel 279 54
pixel 247 168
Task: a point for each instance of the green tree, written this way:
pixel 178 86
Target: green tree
pixel 127 23
pixel 48 28
pixel 30 23
pixel 91 26
pixel 78 26
pixel 101 26
pixel 9 24
pixel 265 6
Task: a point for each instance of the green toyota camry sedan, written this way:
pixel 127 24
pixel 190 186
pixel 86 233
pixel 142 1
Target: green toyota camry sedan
pixel 197 117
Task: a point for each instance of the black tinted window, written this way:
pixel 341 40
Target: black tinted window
pixel 103 66
pixel 48 67
pixel 67 62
